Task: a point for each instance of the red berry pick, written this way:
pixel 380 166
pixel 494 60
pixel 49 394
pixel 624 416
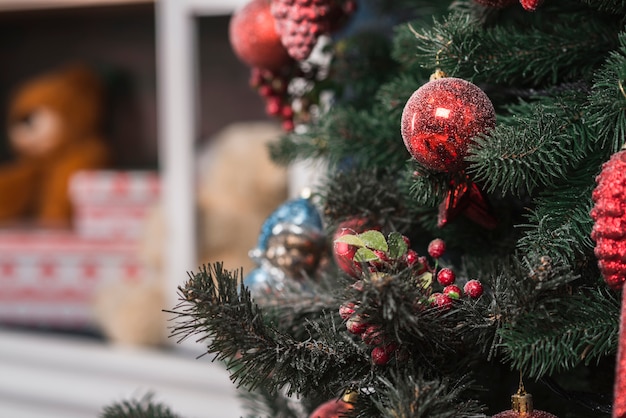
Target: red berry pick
pixel 436 248
pixel 452 291
pixel 446 277
pixel 473 288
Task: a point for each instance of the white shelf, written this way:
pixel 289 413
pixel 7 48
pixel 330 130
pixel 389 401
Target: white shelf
pixel 15 5
pixel 56 376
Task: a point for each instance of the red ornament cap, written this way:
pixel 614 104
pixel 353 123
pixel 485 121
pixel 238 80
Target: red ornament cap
pixel 440 119
pixel 609 215
pixel 522 406
pixel 253 37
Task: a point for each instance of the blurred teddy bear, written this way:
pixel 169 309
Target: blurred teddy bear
pixel 238 188
pixel 54 131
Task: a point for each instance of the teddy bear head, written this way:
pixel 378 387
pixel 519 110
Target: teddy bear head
pixel 55 110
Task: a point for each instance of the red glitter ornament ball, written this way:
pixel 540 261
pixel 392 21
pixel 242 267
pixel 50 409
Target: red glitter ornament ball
pixel 440 119
pixel 254 39
pixel 514 414
pixel 609 215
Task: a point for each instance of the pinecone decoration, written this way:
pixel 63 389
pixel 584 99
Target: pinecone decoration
pixel 609 215
pixel 300 23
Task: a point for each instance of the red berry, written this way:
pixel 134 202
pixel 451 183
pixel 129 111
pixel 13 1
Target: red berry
pixel 273 106
pixel 453 291
pixel 346 310
pixel 256 78
pixel 373 335
pixel 473 288
pixel 379 356
pixel 423 262
pixel 288 125
pixel 436 248
pixel 441 301
pixel 266 91
pixel 411 257
pixel 287 111
pixel 356 325
pixel 406 240
pixel 446 277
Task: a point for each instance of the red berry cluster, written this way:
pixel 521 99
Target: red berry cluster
pixel 371 334
pixel 446 278
pixel 272 87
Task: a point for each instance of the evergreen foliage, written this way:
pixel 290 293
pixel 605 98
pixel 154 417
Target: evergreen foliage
pixel 556 78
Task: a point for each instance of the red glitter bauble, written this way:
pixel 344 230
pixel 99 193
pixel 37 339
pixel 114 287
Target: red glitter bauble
pixel 609 215
pixel 332 409
pixel 514 414
pixel 440 119
pixel 496 3
pixel 254 39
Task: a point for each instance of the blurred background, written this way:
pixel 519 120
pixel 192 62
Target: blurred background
pixel 185 181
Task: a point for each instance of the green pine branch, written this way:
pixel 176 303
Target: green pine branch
pixel 258 354
pixel 534 148
pixel 141 408
pixel 612 6
pixel 560 225
pixel 606 109
pixel 564 48
pixel 418 397
pixel 579 329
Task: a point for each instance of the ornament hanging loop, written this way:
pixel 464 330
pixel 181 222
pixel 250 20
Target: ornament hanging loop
pixel 621 88
pixel 439 73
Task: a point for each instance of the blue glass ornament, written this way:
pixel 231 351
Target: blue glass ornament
pixel 299 212
pixel 262 283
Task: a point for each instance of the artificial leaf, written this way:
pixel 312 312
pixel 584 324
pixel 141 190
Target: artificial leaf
pixel 397 245
pixel 364 255
pixel 374 240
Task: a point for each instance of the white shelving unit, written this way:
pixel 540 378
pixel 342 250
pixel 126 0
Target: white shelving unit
pixel 6 5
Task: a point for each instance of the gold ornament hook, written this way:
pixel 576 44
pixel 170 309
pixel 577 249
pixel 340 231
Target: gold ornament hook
pixel 522 402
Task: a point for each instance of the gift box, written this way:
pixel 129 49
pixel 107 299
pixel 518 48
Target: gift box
pixel 113 204
pixel 51 277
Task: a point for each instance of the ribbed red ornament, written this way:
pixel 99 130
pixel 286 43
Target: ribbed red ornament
pixel 609 215
pixel 300 23
pixel 609 233
pixel 253 37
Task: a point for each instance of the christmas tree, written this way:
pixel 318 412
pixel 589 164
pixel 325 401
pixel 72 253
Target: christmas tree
pixel 453 257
